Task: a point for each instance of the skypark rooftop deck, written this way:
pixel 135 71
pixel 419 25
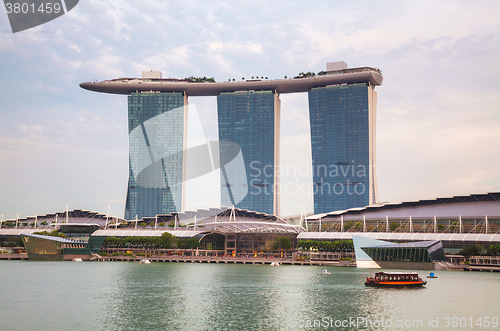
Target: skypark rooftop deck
pixel 293 85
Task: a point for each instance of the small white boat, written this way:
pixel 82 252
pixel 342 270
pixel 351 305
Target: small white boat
pixel 77 259
pixel 275 264
pixel 144 262
pixel 325 272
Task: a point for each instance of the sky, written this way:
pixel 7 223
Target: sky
pixel 438 111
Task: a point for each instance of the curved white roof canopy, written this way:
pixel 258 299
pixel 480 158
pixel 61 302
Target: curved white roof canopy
pixel 225 220
pixel 474 205
pixel 465 237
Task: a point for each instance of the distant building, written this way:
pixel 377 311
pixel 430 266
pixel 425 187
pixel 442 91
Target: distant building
pixel 227 230
pixel 342 119
pixel 457 222
pixel 222 231
pixel 342 105
pixel 77 242
pixel 157 137
pixel 464 214
pixel 251 120
pixel 373 253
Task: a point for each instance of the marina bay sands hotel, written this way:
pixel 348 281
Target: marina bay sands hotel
pixel 342 114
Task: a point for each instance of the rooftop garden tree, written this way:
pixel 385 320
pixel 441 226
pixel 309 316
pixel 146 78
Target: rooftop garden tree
pixel 203 79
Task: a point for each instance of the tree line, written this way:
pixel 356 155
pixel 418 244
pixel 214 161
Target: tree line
pixel 492 250
pixel 326 246
pixel 203 79
pixel 166 240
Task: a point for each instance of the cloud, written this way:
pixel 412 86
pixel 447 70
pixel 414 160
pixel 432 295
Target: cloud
pixel 437 108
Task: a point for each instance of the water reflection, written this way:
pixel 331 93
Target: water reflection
pixel 245 298
pixel 238 297
pixel 177 296
pixel 329 298
pixel 153 296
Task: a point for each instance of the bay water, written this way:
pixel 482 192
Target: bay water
pixel 196 296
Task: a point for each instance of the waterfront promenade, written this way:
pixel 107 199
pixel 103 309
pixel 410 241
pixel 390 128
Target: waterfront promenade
pixel 14 256
pixel 201 259
pixel 227 260
pixel 487 267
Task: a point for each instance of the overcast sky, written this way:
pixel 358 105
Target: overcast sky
pixel 438 121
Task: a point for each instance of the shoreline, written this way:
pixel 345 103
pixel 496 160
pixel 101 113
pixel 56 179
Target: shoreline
pixel 198 259
pixel 241 260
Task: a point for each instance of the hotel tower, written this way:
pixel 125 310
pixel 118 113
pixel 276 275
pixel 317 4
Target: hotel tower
pixel 342 112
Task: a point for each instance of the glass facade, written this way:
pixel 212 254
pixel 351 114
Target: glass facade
pixel 42 247
pixel 360 242
pixel 368 249
pixel 248 119
pixel 214 241
pixel 340 120
pixel 156 141
pixel 399 254
pixel 409 252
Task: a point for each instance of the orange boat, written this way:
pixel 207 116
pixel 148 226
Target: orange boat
pixel 395 279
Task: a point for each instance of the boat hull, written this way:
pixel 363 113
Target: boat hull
pixel 396 284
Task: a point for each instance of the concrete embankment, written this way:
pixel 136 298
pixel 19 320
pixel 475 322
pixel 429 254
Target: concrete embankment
pixel 203 259
pixel 11 256
pixel 200 259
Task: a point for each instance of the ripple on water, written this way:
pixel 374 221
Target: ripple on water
pixel 171 296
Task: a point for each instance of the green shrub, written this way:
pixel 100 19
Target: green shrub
pixel 103 254
pixel 140 254
pixel 127 254
pixel 472 251
pixel 115 254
